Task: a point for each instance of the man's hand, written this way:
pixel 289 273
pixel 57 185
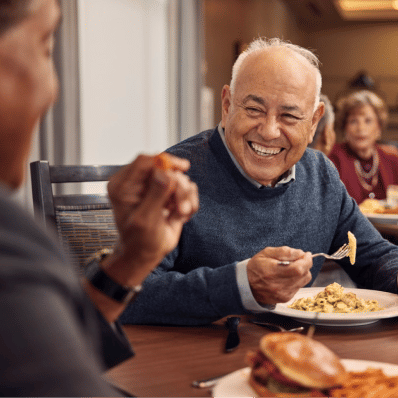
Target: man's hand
pixel 272 283
pixel 151 206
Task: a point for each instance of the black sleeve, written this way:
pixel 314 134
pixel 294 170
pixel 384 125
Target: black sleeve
pixel 115 346
pixel 47 348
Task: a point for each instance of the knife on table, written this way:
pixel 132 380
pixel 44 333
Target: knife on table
pixel 233 339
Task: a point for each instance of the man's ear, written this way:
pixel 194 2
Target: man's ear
pixel 226 102
pixel 317 116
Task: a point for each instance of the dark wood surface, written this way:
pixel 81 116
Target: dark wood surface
pixel 169 358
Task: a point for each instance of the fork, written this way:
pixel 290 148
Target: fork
pixel 344 251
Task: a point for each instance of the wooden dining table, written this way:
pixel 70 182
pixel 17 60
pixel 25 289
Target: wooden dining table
pixel 169 358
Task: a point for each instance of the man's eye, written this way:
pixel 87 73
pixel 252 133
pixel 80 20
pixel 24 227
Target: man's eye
pixel 290 116
pixel 253 111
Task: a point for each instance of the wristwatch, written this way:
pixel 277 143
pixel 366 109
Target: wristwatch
pixel 100 280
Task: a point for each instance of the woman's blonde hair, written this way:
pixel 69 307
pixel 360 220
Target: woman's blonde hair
pixel 358 99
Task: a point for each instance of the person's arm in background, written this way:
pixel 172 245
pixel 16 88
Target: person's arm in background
pixel 151 206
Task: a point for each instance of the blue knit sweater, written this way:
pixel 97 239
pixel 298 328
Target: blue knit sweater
pixel 196 283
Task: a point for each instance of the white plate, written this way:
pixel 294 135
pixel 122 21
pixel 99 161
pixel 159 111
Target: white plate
pixel 387 300
pixel 382 218
pixel 236 384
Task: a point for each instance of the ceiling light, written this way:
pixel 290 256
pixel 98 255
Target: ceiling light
pixel 367 5
pixel 368 9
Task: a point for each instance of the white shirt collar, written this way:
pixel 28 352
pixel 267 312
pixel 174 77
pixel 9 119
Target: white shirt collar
pixel 288 176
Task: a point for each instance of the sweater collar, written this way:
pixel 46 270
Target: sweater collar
pixel 288 176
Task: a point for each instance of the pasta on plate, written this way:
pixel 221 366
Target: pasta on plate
pixel 333 299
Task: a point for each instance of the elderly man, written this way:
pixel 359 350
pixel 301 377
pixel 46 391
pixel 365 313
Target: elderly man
pixel 264 199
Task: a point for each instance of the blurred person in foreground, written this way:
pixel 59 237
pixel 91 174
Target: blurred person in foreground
pixel 56 338
pixel 325 136
pixel 365 167
pixel 265 197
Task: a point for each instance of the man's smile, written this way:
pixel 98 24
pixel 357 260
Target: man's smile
pixel 264 151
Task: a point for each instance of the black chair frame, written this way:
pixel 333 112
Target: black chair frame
pixel 43 176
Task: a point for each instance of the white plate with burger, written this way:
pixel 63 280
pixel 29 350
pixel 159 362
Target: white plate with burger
pixel 295 364
pixel 387 300
pixel 236 384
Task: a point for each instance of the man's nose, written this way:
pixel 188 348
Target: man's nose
pixel 269 128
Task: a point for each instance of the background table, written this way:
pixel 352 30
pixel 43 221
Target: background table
pixel 169 358
pixel 388 231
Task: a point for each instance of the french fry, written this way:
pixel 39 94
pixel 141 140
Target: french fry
pixel 370 383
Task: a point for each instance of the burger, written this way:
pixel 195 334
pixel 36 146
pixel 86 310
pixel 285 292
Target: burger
pixel 293 365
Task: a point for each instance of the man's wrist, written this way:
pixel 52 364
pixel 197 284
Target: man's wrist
pixel 248 300
pixel 104 282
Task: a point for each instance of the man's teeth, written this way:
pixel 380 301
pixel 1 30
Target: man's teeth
pixel 260 150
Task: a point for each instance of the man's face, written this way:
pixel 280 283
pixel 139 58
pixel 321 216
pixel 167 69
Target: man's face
pixel 28 85
pixel 270 119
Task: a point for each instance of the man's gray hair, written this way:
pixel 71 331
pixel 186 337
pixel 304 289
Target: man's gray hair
pixel 263 43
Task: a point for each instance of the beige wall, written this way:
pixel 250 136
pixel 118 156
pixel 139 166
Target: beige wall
pixel 228 21
pixel 344 52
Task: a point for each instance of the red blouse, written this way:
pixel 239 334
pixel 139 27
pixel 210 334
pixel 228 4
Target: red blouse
pixel 343 158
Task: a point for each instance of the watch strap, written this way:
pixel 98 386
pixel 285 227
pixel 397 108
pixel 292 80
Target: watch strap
pixel 103 282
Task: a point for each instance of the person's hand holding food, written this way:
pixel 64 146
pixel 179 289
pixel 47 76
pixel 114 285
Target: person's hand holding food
pixel 152 198
pixel 272 282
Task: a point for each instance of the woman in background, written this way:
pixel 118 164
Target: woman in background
pixel 57 334
pixel 325 136
pixel 365 167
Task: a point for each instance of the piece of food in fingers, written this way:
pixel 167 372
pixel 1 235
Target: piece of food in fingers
pixel 294 365
pixel 352 243
pixel 163 161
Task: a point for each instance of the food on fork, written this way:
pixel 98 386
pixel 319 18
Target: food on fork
pixel 352 243
pixel 333 299
pixel 293 365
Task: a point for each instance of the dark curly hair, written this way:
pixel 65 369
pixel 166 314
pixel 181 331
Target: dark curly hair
pixel 12 12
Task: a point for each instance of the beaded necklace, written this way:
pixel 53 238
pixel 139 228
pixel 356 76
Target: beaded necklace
pixel 372 174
